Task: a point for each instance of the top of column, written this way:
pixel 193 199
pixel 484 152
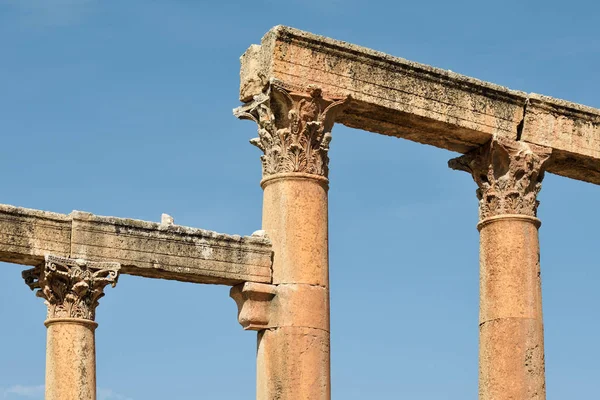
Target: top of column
pixel 508 174
pixel 71 287
pixel 294 128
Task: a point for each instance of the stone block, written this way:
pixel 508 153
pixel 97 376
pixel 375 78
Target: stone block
pixel 26 235
pixel 143 248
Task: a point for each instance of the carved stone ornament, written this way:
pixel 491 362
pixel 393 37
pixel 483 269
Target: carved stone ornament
pixel 253 301
pixel 509 175
pixel 294 128
pixel 71 287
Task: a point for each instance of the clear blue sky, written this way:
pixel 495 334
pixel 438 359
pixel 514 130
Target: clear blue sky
pixel 124 108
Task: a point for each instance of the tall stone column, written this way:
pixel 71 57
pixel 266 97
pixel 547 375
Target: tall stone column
pixel 294 132
pixel 71 289
pixel 511 338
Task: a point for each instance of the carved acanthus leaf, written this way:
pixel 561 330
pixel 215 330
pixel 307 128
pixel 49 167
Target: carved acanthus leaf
pixel 71 287
pixel 294 128
pixel 509 175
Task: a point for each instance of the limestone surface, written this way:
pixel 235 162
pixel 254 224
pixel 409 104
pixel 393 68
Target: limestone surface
pixel 143 248
pixel 397 97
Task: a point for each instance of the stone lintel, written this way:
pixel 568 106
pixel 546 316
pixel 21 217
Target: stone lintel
pixel 27 235
pixel 397 97
pixel 142 248
pixel 571 130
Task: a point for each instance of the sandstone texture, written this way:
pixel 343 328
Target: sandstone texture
pixel 70 359
pixel 26 235
pixel 571 130
pixel 396 97
pixel 254 302
pixel 142 248
pixel 511 329
pixel 293 357
pixel 292 314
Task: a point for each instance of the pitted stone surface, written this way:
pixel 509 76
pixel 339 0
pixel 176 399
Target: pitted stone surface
pixel 71 287
pixel 294 129
pixel 70 360
pixel 401 98
pixel 508 174
pixel 143 248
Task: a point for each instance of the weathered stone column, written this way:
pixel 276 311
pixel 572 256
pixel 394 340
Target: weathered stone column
pixel 71 289
pixel 294 133
pixel 511 339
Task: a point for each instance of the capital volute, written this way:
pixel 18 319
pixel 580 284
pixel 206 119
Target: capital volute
pixel 254 304
pixel 294 128
pixel 71 287
pixel 508 174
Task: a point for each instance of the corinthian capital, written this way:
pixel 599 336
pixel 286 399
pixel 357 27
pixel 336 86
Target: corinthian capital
pixel 509 176
pixel 70 287
pixel 294 128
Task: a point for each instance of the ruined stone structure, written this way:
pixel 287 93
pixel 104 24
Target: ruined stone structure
pixel 295 86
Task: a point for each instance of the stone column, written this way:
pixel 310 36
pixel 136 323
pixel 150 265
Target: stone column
pixel 511 339
pixel 71 289
pixel 294 133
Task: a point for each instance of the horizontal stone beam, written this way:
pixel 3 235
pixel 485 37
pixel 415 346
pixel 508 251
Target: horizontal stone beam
pixel 396 97
pixel 571 130
pixel 27 235
pixel 142 248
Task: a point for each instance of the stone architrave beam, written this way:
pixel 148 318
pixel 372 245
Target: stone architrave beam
pixel 396 97
pixel 148 249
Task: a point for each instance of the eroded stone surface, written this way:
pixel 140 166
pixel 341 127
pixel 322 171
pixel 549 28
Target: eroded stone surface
pixel 293 359
pixel 571 130
pixel 171 251
pixel 295 216
pixel 293 364
pixel 512 362
pixel 262 306
pixel 70 360
pixel 508 174
pixel 71 287
pixel 390 95
pixel 294 129
pixel 511 341
pixel 142 248
pixel 27 235
pixel 254 304
pixel 511 338
pixel 396 97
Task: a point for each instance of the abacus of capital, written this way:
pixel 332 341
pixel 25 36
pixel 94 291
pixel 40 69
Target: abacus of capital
pixel 295 86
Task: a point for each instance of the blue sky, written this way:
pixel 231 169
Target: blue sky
pixel 124 108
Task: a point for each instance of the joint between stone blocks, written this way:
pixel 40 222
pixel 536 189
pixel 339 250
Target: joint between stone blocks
pixel 263 306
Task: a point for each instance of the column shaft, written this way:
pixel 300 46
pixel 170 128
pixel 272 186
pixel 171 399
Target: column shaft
pixel 293 357
pixel 294 132
pixel 511 348
pixel 70 359
pixel 509 177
